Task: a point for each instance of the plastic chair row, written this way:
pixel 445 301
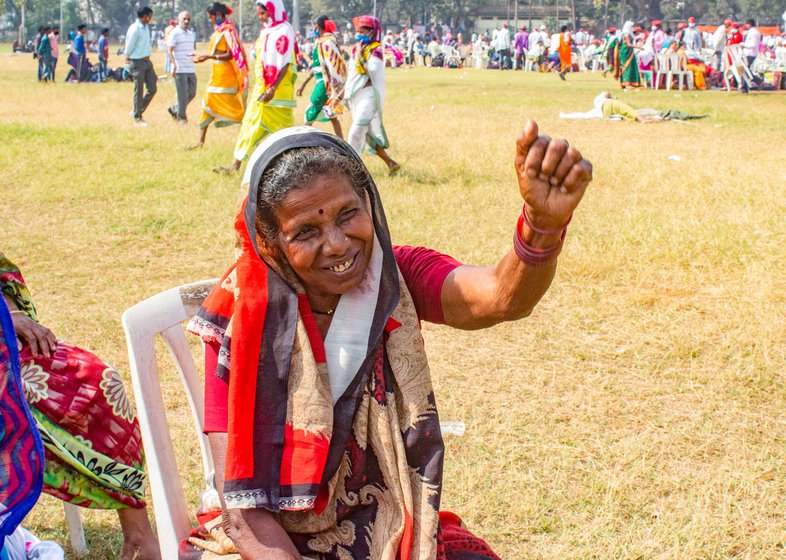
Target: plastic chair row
pixel 671 66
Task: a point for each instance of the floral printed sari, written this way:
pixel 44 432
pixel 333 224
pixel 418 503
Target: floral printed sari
pixel 92 443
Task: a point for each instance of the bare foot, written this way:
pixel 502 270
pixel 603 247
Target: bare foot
pixel 147 551
pixel 196 146
pixel 225 169
pixel 394 168
pixel 139 542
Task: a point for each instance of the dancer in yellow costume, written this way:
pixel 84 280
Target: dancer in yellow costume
pixel 271 105
pixel 223 101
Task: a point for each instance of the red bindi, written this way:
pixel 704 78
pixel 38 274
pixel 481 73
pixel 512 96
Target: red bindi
pixel 321 211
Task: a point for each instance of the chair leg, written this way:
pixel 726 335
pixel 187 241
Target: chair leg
pixel 74 518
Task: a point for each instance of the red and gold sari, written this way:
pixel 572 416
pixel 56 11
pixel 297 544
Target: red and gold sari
pixel 358 478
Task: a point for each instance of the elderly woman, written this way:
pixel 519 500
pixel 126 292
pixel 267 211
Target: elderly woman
pixel 91 436
pixel 319 405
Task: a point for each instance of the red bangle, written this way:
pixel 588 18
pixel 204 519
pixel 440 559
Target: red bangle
pixel 533 256
pixel 539 230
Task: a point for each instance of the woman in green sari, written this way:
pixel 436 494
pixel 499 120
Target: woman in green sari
pixel 626 67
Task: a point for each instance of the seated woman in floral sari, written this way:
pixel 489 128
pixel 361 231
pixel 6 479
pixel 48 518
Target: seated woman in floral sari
pixel 92 443
pixel 319 405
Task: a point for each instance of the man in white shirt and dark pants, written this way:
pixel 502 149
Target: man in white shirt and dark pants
pixel 180 50
pixel 503 46
pixel 719 43
pixel 692 39
pixel 750 46
pixel 752 41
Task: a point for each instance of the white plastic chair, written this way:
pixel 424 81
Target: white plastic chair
pixel 74 519
pixel 736 66
pixel 598 63
pixel 163 314
pixel 677 69
pixel 660 68
pixel 451 55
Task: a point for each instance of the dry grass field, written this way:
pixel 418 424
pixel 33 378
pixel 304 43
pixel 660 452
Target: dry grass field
pixel 638 413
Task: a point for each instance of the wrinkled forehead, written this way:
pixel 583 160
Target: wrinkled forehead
pixel 276 144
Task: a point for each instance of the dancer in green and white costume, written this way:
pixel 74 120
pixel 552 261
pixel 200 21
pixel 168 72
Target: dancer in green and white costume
pixel 330 72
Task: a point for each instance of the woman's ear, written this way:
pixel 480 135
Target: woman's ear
pixel 269 248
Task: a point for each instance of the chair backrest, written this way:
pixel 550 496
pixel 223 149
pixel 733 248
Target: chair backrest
pixel 661 63
pixel 163 314
pixel 677 62
pixel 732 56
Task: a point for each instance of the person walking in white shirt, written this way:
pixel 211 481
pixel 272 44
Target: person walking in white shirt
pixel 750 47
pixel 692 39
pixel 503 46
pixel 719 43
pixel 180 45
pixel 752 41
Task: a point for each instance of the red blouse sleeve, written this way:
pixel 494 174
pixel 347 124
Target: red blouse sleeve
pixel 424 271
pixel 216 393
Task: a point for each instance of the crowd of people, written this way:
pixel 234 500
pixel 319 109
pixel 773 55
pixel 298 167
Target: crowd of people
pixel 633 53
pixel 47 51
pixel 630 52
pixel 262 99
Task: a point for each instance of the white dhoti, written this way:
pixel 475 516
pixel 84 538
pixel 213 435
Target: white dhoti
pixel 367 128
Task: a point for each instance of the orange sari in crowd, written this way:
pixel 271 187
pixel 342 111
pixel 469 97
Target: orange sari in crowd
pixel 565 52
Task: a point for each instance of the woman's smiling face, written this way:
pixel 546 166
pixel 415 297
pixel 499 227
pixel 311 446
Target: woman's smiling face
pixel 326 234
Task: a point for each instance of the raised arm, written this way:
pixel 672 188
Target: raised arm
pixel 552 178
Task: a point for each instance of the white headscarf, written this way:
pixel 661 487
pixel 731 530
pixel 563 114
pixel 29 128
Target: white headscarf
pixel 277 41
pixel 275 9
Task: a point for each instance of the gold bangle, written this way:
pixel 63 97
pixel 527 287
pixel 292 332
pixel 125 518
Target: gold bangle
pixel 17 311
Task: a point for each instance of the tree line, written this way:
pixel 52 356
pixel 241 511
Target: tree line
pixel 24 16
